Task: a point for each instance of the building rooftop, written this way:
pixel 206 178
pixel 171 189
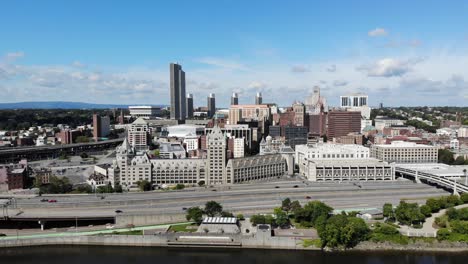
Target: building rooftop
pixel 349 162
pixel 219 220
pixel 404 144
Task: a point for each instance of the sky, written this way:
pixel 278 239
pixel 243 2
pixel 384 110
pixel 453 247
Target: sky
pixel 400 53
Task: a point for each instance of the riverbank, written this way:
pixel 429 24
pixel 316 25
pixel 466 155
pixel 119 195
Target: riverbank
pixel 247 242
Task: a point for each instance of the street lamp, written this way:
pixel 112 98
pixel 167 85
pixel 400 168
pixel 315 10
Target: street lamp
pixel 466 178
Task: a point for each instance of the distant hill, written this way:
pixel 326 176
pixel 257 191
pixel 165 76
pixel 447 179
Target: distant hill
pixel 60 105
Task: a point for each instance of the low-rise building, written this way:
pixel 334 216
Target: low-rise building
pixel 405 152
pixel 347 170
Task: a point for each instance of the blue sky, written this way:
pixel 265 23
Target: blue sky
pixel 399 52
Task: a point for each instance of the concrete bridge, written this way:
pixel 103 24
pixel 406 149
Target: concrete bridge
pixel 12 155
pixel 450 177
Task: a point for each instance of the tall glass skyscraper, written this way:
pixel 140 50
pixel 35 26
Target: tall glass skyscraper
pixel 177 85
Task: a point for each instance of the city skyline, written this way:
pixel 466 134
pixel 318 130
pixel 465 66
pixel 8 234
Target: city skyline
pixel 398 53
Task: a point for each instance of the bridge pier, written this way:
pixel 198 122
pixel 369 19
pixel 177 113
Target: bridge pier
pixel 416 177
pixel 455 188
pixel 42 223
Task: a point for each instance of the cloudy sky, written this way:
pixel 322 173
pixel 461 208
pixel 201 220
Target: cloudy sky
pixel 398 52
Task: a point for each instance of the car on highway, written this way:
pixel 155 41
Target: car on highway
pixel 118 211
pixel 44 200
pixel 295 186
pixel 276 187
pixel 52 201
pixel 184 208
pixel 308 197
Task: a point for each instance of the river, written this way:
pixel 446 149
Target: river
pixel 136 255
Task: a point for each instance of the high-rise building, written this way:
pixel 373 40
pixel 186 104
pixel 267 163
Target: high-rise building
pixel 353 100
pixel 189 105
pixel 177 85
pixel 258 99
pixel 315 103
pixel 341 123
pixel 216 155
pixel 101 126
pixel 295 135
pixel 211 105
pixel 299 114
pixel 139 135
pixel 234 99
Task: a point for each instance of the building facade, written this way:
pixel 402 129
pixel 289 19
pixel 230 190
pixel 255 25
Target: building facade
pixel 144 111
pixel 177 86
pixel 341 123
pixel 211 104
pixel 405 152
pixel 139 135
pixel 189 105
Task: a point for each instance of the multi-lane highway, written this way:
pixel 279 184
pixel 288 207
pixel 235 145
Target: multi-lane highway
pixel 250 198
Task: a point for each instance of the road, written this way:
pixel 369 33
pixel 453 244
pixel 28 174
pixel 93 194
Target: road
pixel 243 197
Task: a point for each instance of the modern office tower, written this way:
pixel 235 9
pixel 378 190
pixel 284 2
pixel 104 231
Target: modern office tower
pixel 101 126
pixel 318 124
pixel 216 157
pixel 177 85
pixel 341 123
pixel 295 135
pixel 258 99
pixel 234 99
pixel 189 105
pixel 211 105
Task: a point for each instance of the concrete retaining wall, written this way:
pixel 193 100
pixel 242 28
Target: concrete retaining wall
pixel 148 219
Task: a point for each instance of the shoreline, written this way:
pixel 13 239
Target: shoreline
pixel 150 241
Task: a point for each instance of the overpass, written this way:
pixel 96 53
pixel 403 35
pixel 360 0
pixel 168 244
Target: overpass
pixel 449 177
pixel 13 155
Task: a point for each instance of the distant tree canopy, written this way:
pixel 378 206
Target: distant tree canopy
pixel 16 119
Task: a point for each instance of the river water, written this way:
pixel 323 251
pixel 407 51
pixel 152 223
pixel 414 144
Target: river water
pixel 136 255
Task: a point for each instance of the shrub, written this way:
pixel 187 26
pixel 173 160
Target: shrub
pixel 240 216
pixel 443 234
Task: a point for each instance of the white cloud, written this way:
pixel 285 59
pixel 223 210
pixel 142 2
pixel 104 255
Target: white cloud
pixel 300 68
pixel 388 67
pixel 331 68
pixel 14 55
pixel 377 32
pixel 78 64
pixel 223 63
pixel 257 85
pixel 340 83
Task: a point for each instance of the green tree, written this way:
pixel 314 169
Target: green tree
pixel 408 213
pixel 464 198
pixel 286 205
pixel 433 204
pixel 240 217
pixel 144 185
pixel 343 231
pixel 195 214
pixel 213 208
pixel 201 183
pixel 281 217
pixel 226 214
pixel 179 186
pixel 295 206
pixel 445 156
pixel 426 210
pixel 388 211
pixel 84 155
pixel 311 212
pixel 257 220
pixel 118 188
pixel 453 200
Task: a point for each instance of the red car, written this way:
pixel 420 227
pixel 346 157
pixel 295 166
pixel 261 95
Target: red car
pixel 52 201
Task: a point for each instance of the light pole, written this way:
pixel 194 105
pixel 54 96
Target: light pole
pixel 466 178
